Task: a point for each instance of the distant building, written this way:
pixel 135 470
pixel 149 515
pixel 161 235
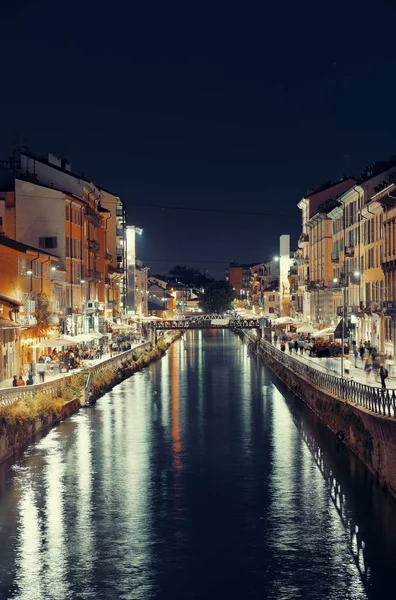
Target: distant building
pixel 141 289
pixel 250 281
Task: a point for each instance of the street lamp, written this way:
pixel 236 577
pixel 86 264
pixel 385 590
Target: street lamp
pixel 336 280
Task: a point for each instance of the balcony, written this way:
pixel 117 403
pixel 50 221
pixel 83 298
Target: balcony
pixel 93 274
pixel 94 246
pixel 335 258
pixel 92 216
pixel 349 251
pixel 120 232
pixel 303 239
pixel 349 310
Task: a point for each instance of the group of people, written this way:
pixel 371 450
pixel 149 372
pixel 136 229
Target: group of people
pixel 314 347
pixel 18 381
pixel 373 362
pixel 71 359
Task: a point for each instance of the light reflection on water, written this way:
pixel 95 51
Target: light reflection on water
pixel 194 479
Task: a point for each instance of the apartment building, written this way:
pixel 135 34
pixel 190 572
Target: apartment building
pixel 314 261
pixel 55 209
pixel 27 314
pixel 250 281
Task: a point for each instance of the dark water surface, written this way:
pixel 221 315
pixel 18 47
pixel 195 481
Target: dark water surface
pixel 200 477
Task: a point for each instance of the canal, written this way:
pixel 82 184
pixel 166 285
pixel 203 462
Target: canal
pixel 199 477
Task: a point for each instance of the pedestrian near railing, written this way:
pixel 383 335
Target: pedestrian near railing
pixel 54 388
pixel 379 400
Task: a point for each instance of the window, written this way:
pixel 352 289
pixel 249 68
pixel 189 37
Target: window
pixel 271 298
pixel 271 309
pixel 22 266
pixel 48 242
pixel 67 213
pixel 36 268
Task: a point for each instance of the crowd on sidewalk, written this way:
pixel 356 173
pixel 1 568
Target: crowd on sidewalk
pixel 372 363
pixel 54 363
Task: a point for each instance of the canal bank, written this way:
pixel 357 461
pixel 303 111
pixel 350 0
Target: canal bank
pixel 200 476
pixel 371 436
pixel 36 411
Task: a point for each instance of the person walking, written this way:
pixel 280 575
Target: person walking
pixel 282 346
pixel 367 367
pixel 355 356
pixel 383 372
pixel 301 345
pixel 290 344
pixel 347 368
pixel 275 339
pixel 362 351
pixel 41 368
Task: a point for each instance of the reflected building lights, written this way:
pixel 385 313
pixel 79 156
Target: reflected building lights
pixel 175 395
pixel 85 543
pixel 56 557
pixel 165 390
pixel 29 580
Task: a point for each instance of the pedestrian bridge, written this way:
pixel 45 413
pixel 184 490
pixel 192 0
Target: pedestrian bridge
pixel 205 321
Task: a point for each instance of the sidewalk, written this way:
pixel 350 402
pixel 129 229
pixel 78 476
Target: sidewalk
pixel 332 366
pixel 52 376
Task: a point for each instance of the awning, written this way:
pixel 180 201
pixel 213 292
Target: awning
pixel 9 301
pixel 8 324
pixel 338 331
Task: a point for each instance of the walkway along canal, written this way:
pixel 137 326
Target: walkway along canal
pixel 363 416
pixel 202 476
pixel 26 412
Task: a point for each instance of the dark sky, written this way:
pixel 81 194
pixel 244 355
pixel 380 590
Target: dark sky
pixel 235 106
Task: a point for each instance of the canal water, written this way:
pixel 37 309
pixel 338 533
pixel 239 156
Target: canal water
pixel 199 477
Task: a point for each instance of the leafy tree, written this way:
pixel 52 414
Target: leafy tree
pixel 217 297
pixel 190 277
pixel 43 312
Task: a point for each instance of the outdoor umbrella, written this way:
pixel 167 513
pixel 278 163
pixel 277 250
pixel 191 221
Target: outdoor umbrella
pixel 306 328
pixel 328 332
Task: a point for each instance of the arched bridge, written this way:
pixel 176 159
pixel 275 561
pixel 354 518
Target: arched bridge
pixel 207 322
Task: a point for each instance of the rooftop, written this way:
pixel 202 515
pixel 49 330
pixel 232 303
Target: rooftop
pixel 21 247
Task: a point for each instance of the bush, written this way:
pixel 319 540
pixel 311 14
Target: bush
pixel 28 410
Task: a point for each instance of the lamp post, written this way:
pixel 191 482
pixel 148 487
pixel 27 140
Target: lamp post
pixel 342 285
pixel 83 306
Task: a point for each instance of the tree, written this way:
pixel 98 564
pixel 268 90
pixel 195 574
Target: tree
pixel 42 312
pixel 190 277
pixel 217 297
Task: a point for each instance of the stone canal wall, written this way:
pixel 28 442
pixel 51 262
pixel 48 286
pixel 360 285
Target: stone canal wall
pixel 370 436
pixel 18 429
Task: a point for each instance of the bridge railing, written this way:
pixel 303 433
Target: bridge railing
pixel 205 323
pixel 375 399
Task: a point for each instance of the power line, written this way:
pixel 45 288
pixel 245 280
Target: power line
pixel 219 211
pixel 186 260
pixel 186 208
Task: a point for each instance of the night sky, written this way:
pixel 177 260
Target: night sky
pixel 238 107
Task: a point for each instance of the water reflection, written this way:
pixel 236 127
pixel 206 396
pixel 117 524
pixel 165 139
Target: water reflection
pixel 200 477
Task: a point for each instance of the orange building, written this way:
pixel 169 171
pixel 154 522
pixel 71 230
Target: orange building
pixel 25 303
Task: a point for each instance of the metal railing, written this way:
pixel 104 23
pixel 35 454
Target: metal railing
pixel 382 402
pixel 54 388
